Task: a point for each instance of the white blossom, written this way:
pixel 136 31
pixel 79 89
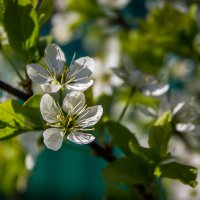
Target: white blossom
pixel 116 4
pixel 185 113
pixel 146 83
pixel 56 75
pixel 70 121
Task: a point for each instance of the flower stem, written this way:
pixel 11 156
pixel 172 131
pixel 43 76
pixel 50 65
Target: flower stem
pixel 60 96
pixel 127 104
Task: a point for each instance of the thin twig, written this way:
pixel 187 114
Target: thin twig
pixel 127 104
pixel 6 87
pixel 100 151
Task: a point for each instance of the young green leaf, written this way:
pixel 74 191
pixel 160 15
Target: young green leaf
pixel 23 33
pixel 44 11
pixel 184 173
pixel 129 170
pixel 34 101
pixel 160 134
pixel 144 152
pixel 15 119
pixel 2 9
pixel 121 136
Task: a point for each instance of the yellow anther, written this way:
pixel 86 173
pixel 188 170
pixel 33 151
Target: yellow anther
pixel 59 117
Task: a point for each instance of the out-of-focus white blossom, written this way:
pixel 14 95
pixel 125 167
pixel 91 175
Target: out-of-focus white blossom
pixel 185 114
pixel 117 4
pixel 178 68
pixel 63 26
pixel 104 78
pixel 60 5
pixel 30 143
pixel 140 81
pixel 71 121
pixel 150 4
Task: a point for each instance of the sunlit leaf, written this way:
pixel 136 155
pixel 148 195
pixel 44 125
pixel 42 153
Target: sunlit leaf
pixel 15 119
pixel 160 134
pixel 44 11
pixel 23 32
pixel 184 173
pixel 34 101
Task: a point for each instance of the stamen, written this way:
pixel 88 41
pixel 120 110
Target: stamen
pixel 84 114
pixel 73 58
pixel 78 79
pixel 84 129
pixel 59 62
pixel 60 109
pixel 78 69
pixel 79 112
pixel 76 107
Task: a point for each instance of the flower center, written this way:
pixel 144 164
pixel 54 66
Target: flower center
pixel 69 122
pixel 55 82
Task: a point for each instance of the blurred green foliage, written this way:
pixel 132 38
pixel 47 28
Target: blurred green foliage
pixel 144 43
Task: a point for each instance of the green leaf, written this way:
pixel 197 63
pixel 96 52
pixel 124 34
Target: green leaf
pixel 15 119
pixel 10 130
pixel 160 134
pixel 34 3
pixel 45 11
pixel 184 173
pixel 144 152
pixel 106 101
pixel 2 9
pixel 121 136
pixel 129 170
pixel 34 101
pixel 88 8
pixel 21 24
pixel 139 98
pixel 119 193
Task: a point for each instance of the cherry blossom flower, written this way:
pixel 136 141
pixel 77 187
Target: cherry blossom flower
pixel 70 121
pixel 55 75
pixel 146 83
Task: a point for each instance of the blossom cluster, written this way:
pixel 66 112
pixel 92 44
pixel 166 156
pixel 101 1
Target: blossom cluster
pixel 70 119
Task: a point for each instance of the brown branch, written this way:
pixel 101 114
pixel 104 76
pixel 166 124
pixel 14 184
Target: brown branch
pixel 6 87
pixel 104 153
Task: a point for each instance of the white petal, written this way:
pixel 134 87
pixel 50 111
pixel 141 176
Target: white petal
pixel 53 138
pixel 80 138
pixel 185 127
pixel 37 73
pixel 55 58
pixel 73 102
pixel 90 116
pixel 80 64
pixel 49 109
pixel 80 86
pixel 177 108
pixel 29 141
pixel 155 89
pixel 50 88
pixel 148 111
pixel 120 73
